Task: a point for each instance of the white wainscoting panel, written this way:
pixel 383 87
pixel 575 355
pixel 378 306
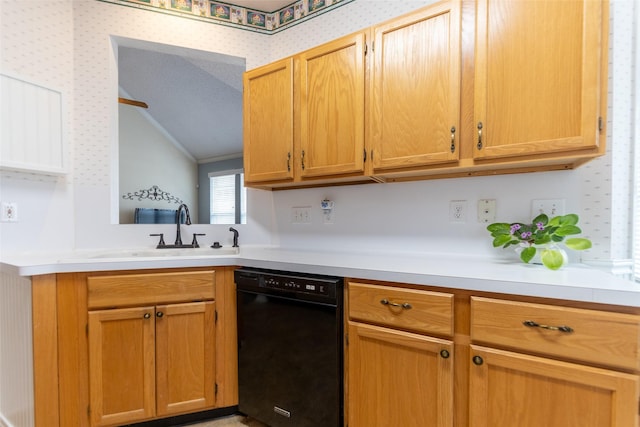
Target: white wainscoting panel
pixel 16 352
pixel 31 135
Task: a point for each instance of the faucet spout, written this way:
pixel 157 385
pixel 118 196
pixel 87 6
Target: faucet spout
pixel 235 236
pixel 178 217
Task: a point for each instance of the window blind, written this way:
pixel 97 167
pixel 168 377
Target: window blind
pixel 227 198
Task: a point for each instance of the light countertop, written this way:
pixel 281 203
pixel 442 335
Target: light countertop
pixel 573 282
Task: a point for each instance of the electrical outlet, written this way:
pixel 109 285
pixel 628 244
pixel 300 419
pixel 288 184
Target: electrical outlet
pixel 301 214
pixel 458 211
pixel 9 212
pixel 486 210
pixel 550 207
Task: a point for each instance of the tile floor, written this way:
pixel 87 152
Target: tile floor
pixel 231 421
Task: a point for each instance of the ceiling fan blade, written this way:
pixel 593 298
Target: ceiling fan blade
pixel 132 102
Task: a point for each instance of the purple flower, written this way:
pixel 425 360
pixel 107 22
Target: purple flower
pixel 525 235
pixel 514 228
pixel 540 226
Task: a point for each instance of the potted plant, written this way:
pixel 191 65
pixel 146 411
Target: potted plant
pixel 543 235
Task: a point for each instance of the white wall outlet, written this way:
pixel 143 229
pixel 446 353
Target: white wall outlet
pixel 9 212
pixel 458 211
pixel 301 215
pixel 550 207
pixel 486 210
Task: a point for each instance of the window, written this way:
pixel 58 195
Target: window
pixel 228 198
pixel 636 147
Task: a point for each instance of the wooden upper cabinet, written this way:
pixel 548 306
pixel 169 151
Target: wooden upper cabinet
pixel 268 122
pixel 332 91
pixel 537 77
pixel 415 89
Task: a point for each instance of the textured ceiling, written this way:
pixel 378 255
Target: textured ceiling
pixel 195 96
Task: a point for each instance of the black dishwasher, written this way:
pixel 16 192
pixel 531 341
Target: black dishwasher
pixel 290 347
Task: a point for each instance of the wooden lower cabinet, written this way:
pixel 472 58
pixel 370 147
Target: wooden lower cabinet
pixel 134 346
pixel 508 360
pixel 514 389
pixel 151 361
pixel 398 378
pixel 121 365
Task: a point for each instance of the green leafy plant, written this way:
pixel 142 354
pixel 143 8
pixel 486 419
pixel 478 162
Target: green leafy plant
pixel 542 234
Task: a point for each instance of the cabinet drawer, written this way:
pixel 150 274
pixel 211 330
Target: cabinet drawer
pixel 155 288
pixel 423 311
pixel 593 336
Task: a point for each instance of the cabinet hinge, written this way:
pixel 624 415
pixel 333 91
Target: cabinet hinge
pixel 366 48
pixel 365 155
pixel 346 339
pixel 89 410
pixel 215 317
pixel 215 388
pixel 600 125
pixel 86 329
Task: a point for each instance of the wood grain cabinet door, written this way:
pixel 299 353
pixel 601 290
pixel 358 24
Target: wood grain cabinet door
pixel 415 89
pixel 537 77
pixel 513 389
pixel 122 365
pixel 398 378
pixel 268 123
pixel 185 357
pixel 332 90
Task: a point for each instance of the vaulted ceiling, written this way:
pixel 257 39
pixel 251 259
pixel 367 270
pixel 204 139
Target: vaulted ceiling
pixel 194 96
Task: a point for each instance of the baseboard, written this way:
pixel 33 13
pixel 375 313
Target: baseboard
pixel 188 418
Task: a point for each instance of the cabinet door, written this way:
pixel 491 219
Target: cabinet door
pixel 512 389
pixel 415 90
pixel 332 80
pixel 185 357
pixel 268 122
pixel 537 77
pixel 397 378
pixel 121 365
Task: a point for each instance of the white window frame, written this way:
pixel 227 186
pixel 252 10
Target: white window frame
pixel 241 192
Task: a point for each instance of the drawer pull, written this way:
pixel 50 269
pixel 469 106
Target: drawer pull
pixel 404 305
pixel 532 324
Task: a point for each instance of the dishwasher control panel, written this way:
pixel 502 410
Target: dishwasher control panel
pixel 298 284
pixel 301 284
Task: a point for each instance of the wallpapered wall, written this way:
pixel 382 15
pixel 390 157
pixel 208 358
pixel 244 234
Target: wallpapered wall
pixel 38 42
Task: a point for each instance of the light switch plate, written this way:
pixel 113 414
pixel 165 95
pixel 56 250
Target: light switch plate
pixel 486 210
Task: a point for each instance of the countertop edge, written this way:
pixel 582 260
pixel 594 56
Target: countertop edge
pixel 575 283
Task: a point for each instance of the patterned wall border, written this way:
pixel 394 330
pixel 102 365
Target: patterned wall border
pixel 217 12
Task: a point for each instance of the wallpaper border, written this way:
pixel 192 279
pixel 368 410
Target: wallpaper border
pixel 216 12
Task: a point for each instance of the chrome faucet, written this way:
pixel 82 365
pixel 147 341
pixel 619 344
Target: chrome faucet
pixel 187 222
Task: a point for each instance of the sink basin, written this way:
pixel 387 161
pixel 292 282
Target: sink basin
pixel 155 253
